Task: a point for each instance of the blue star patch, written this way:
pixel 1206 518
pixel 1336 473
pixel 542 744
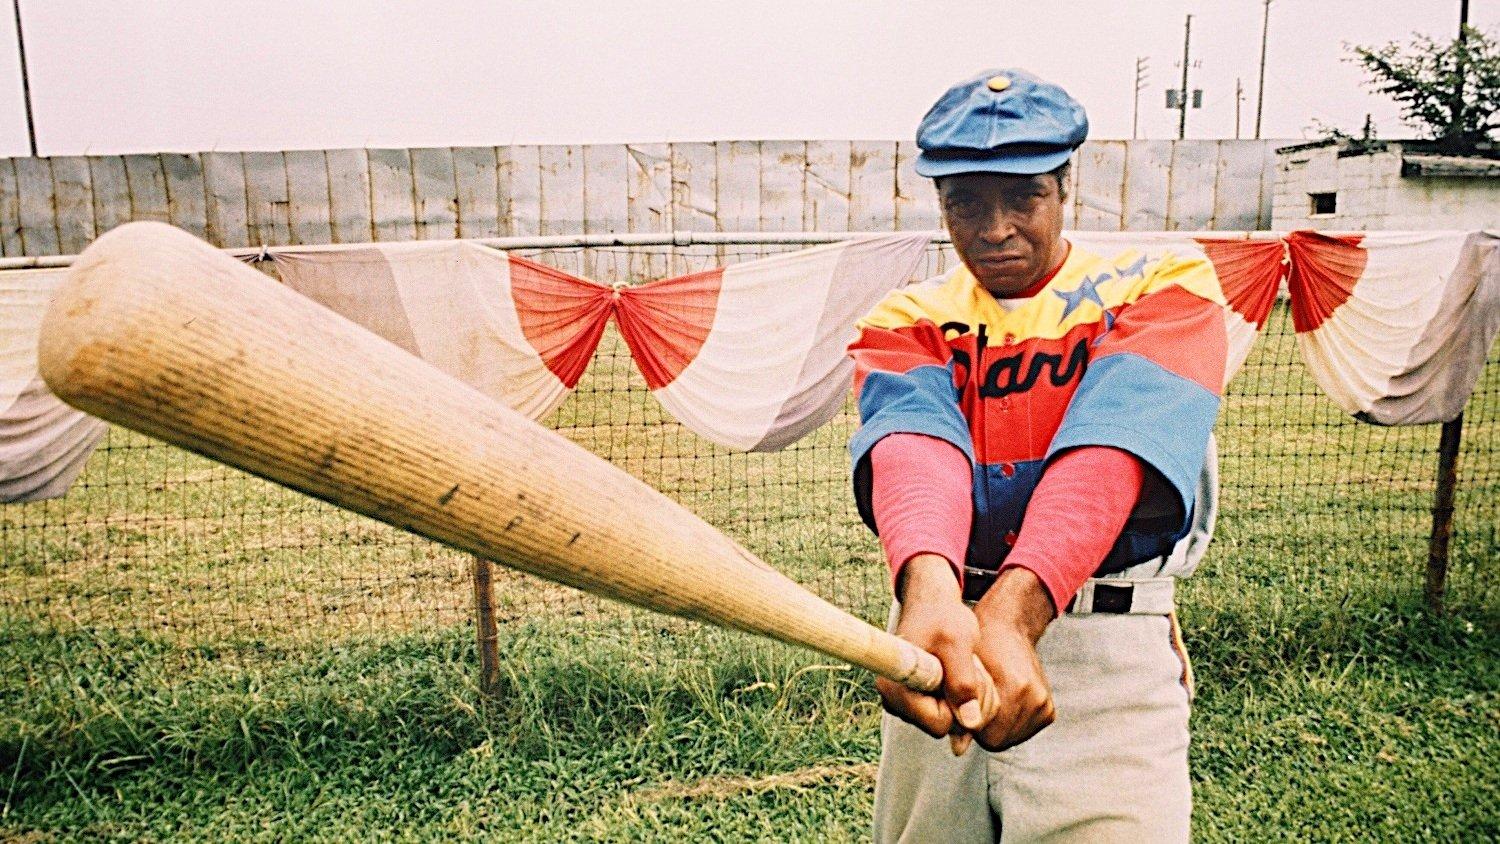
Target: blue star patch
pixel 1087 290
pixel 1134 270
pixel 1109 324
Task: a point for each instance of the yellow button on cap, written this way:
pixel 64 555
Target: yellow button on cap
pixel 998 83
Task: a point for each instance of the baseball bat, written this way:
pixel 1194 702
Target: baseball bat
pixel 158 331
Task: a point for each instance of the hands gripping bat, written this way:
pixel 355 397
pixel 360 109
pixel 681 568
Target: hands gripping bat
pixel 157 331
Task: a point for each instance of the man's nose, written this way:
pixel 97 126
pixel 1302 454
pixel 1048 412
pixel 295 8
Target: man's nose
pixel 997 228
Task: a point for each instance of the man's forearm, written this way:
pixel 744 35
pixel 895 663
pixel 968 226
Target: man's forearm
pixel 927 577
pixel 922 496
pixel 1019 601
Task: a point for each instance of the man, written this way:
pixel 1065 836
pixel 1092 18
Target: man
pixel 1035 428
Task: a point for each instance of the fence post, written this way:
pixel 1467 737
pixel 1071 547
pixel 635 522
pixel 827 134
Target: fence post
pixel 1442 512
pixel 486 633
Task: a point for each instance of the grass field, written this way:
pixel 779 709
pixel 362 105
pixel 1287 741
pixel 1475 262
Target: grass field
pixel 189 654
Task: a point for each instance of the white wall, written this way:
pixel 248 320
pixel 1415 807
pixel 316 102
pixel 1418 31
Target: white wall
pixel 57 205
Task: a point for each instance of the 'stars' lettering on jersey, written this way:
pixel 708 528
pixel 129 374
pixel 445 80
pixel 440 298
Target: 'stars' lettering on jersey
pixel 1016 373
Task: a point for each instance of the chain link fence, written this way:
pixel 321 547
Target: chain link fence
pixel 155 543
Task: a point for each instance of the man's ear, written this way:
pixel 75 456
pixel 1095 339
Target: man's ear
pixel 1062 174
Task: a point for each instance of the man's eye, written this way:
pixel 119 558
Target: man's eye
pixel 963 207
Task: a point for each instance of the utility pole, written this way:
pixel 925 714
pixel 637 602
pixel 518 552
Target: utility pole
pixel 25 78
pixel 1458 89
pixel 1182 100
pixel 1260 96
pixel 1140 82
pixel 1239 97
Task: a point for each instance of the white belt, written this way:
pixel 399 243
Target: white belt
pixel 1124 596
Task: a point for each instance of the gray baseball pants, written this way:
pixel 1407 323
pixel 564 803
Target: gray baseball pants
pixel 1112 767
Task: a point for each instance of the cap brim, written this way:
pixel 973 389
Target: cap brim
pixel 1015 165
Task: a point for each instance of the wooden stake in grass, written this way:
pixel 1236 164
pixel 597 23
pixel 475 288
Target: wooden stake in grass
pixel 1442 513
pixel 158 331
pixel 486 632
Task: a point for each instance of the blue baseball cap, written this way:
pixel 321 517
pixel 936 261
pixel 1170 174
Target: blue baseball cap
pixel 1001 121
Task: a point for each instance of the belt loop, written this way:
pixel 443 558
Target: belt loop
pixel 1083 603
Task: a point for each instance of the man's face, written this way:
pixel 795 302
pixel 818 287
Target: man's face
pixel 1007 229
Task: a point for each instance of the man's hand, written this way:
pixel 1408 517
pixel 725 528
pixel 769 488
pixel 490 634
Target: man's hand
pixel 1012 616
pixel 935 619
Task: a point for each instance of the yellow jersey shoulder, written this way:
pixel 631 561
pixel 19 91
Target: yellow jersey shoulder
pixel 1131 273
pixel 935 299
pixel 1087 284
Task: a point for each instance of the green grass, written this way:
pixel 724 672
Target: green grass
pixel 1377 719
pixel 189 654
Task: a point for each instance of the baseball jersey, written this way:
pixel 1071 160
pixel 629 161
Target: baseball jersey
pixel 1124 350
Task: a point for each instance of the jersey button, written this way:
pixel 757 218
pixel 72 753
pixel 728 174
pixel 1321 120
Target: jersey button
pixel 1010 537
pixel 1007 469
pixel 1010 339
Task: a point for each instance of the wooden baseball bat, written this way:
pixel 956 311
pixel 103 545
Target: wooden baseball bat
pixel 157 331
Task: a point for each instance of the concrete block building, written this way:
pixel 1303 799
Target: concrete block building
pixel 1337 185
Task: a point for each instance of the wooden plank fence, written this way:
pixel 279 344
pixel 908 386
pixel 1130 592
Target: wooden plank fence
pixel 51 206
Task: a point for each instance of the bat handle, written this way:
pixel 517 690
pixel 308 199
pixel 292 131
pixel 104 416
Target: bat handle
pixel 927 675
pixel 920 670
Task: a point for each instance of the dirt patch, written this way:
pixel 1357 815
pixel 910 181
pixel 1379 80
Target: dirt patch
pixel 718 787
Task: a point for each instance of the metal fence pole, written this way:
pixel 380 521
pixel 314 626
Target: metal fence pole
pixel 588 241
pixel 1442 512
pixel 486 633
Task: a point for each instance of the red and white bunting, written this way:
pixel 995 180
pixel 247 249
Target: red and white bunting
pixel 751 356
pixel 1250 272
pixel 1396 326
pixel 516 330
pixel 44 443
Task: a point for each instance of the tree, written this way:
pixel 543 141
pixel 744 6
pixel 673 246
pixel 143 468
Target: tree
pixel 1449 90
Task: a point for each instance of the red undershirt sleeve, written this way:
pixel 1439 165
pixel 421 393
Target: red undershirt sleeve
pixel 921 492
pixel 1077 512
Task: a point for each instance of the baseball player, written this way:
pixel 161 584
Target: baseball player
pixel 1035 453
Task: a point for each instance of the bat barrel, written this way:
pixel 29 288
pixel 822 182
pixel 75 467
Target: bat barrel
pixel 157 331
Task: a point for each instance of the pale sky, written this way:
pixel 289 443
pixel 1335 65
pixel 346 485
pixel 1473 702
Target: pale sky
pixel 113 76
